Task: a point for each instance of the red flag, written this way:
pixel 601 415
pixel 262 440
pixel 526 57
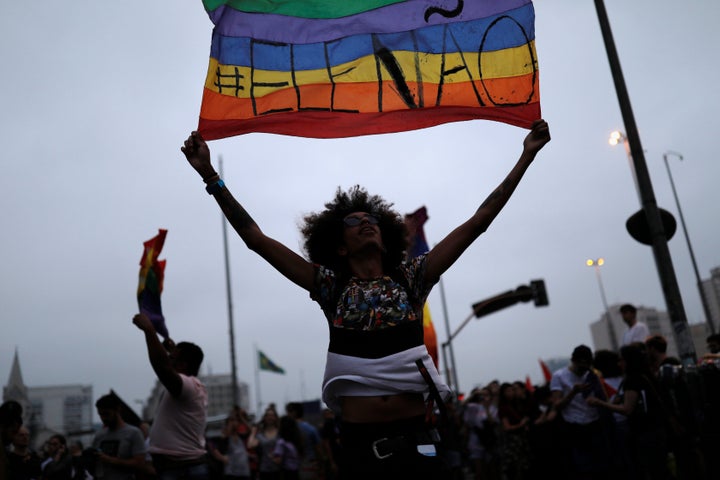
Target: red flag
pixel 546 371
pixel 610 391
pixel 528 384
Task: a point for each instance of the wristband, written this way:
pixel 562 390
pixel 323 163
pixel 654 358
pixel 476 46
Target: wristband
pixel 211 179
pixel 214 188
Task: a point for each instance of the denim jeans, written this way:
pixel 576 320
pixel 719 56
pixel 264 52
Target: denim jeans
pixel 194 472
pixel 171 469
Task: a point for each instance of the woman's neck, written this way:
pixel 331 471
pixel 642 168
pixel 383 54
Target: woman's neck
pixel 366 267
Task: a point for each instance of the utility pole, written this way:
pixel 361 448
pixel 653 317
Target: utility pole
pixel 658 237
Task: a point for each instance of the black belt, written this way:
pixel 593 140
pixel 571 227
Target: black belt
pixel 386 447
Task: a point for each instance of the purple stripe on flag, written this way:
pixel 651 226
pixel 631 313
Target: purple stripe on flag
pixel 399 17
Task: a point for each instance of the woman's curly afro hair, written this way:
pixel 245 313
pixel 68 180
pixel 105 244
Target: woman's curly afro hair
pixel 323 231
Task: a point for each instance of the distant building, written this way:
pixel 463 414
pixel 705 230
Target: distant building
pixel 65 409
pixel 556 363
pixel 219 390
pixel 16 389
pixel 711 289
pixel 699 333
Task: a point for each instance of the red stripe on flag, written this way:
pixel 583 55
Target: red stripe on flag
pixel 547 374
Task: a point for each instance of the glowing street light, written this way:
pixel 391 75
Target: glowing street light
pixel 591 263
pixel 597 263
pixel 616 137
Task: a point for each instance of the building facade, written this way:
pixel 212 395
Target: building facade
pixel 711 289
pixel 65 409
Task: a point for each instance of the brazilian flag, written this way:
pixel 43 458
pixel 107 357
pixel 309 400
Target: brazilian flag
pixel 267 364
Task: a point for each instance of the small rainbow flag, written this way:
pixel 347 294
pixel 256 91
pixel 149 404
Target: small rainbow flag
pixel 415 224
pixel 330 69
pixel 150 284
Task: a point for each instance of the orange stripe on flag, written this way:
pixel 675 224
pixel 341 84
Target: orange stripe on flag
pixel 429 334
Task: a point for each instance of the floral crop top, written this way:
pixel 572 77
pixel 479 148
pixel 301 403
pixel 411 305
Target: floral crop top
pixel 372 304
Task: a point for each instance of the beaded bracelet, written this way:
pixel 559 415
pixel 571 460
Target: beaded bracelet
pixel 214 188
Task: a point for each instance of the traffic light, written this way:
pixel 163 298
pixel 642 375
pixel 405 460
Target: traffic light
pixel 524 293
pixel 539 294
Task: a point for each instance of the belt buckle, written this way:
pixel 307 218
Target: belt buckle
pixel 377 454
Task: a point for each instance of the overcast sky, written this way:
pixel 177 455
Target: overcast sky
pixel 97 98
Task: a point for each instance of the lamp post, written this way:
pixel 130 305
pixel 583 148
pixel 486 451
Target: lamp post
pixel 661 252
pixel 706 309
pixel 451 377
pixel 231 328
pixel 597 263
pixel 535 291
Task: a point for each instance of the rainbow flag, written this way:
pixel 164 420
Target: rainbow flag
pixel 330 69
pixel 414 223
pixel 150 285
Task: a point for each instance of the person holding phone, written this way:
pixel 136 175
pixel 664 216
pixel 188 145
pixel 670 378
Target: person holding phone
pixel 585 441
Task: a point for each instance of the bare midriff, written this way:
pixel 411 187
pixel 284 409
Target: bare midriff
pixel 382 408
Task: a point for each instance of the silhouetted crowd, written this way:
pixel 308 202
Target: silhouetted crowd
pixel 632 414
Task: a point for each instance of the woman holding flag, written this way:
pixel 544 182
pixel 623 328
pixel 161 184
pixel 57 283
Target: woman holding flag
pixel 378 374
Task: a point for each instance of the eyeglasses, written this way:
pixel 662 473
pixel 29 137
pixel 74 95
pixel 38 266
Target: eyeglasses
pixel 355 220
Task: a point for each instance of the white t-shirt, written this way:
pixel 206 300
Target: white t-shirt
pixel 637 333
pixel 179 426
pixel 577 411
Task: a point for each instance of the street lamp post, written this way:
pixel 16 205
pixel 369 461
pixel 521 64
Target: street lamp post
pixel 450 376
pixel 535 291
pixel 661 252
pixel 597 263
pixel 231 328
pixel 706 309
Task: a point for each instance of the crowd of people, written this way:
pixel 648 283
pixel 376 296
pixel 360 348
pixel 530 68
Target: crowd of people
pixel 631 414
pixel 606 415
pixel 390 413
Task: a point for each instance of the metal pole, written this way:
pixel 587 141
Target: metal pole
pixel 462 325
pixel 611 328
pixel 231 329
pixel 444 346
pixel 454 379
pixel 663 261
pixel 257 383
pixel 706 309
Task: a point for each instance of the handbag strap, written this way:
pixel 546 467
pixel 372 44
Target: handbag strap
pixel 434 393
